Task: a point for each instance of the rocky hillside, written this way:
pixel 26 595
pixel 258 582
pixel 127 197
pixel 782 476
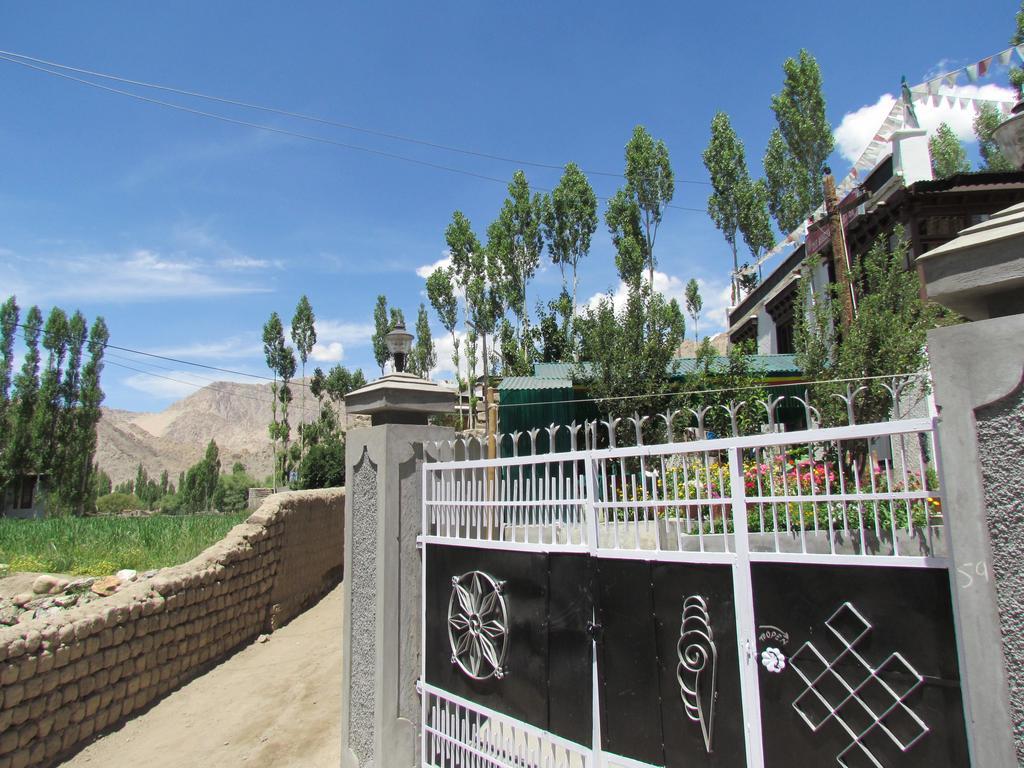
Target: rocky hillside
pixel 235 415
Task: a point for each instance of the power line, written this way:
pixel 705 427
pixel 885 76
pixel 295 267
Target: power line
pixel 289 133
pixel 313 118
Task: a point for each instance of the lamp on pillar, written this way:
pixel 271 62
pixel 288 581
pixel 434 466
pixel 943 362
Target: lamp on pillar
pixel 380 717
pixel 399 343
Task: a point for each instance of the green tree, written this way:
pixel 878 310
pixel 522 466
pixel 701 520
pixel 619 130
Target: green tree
pixel 650 186
pixel 286 372
pixel 381 328
pixel 887 336
pixel 789 196
pixel 947 153
pixel 273 351
pixel 694 304
pixel 324 465
pixel 25 398
pixel 514 242
pixel 479 272
pixel 45 419
pixel 556 331
pixel 1016 73
pixel 75 486
pixel 397 318
pixel 719 382
pixel 755 228
pixel 570 223
pixel 805 131
pixel 304 339
pixel 985 124
pixel 441 293
pixel 726 162
pixel 423 354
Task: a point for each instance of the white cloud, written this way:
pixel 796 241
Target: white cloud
pixel 140 275
pixel 857 128
pixel 331 352
pixel 427 270
pixel 232 346
pixel 715 295
pixel 246 262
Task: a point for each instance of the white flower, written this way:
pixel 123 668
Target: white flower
pixel 773 660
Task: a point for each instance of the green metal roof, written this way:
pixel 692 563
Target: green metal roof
pixel 769 366
pixel 519 383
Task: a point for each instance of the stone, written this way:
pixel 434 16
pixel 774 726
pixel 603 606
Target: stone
pixel 65 601
pixel 59 587
pixel 127 574
pixel 81 584
pixel 106 586
pixel 44 583
pixel 9 614
pixel 23 599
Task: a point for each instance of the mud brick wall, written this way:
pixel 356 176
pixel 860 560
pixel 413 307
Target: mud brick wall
pixel 64 680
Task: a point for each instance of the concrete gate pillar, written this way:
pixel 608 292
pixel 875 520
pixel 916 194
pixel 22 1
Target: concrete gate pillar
pixel 978 371
pixel 380 708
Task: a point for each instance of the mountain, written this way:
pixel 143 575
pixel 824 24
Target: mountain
pixel 235 415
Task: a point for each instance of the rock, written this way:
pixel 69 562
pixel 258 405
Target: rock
pixel 81 584
pixel 9 615
pixel 65 601
pixel 127 574
pixel 59 587
pixel 22 599
pixel 106 586
pixel 262 638
pixel 150 574
pixel 44 583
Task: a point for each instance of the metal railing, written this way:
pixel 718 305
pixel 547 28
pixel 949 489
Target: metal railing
pixel 856 493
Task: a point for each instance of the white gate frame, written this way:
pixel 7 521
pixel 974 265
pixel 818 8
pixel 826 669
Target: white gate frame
pixel 469 507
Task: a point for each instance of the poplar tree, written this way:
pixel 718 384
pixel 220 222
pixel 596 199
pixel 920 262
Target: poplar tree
pixel 47 413
pixel 25 397
pixel 515 241
pixel 441 293
pixel 380 332
pixel 726 162
pixel 9 315
pixel 76 475
pixel 985 124
pixel 800 114
pixel 694 304
pixel 479 272
pixel 570 223
pixel 1016 73
pixel 273 351
pixel 424 353
pixel 650 186
pixel 947 153
pixel 304 338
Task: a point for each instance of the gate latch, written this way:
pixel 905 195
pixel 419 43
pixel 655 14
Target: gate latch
pixel 595 631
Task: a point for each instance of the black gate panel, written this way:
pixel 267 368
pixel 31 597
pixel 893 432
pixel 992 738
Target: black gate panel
pixel 570 661
pixel 695 618
pixel 546 678
pixel 521 692
pixel 628 661
pixel 877 649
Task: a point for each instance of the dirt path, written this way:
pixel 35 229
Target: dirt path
pixel 276 704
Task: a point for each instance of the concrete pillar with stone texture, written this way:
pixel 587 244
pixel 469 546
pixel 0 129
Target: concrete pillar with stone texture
pixel 978 373
pixel 380 707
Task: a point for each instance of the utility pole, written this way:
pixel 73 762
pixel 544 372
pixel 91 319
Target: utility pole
pixel 839 254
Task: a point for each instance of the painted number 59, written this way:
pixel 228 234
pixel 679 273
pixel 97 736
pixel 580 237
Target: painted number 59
pixel 968 572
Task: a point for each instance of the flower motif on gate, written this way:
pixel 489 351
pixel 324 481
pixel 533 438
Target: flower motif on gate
pixel 478 625
pixel 697 671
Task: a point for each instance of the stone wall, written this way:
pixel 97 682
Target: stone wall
pixel 64 680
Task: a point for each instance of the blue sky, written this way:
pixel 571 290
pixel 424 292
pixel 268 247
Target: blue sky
pixel 185 233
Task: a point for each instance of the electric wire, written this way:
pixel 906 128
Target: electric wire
pixel 677 393
pixel 313 118
pixel 296 134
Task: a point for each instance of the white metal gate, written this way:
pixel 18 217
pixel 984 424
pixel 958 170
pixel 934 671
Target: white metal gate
pixel 862 495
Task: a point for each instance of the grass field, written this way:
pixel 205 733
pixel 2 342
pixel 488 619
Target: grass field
pixel 97 546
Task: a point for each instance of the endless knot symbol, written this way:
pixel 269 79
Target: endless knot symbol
pixel 863 700
pixel 478 625
pixel 698 666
